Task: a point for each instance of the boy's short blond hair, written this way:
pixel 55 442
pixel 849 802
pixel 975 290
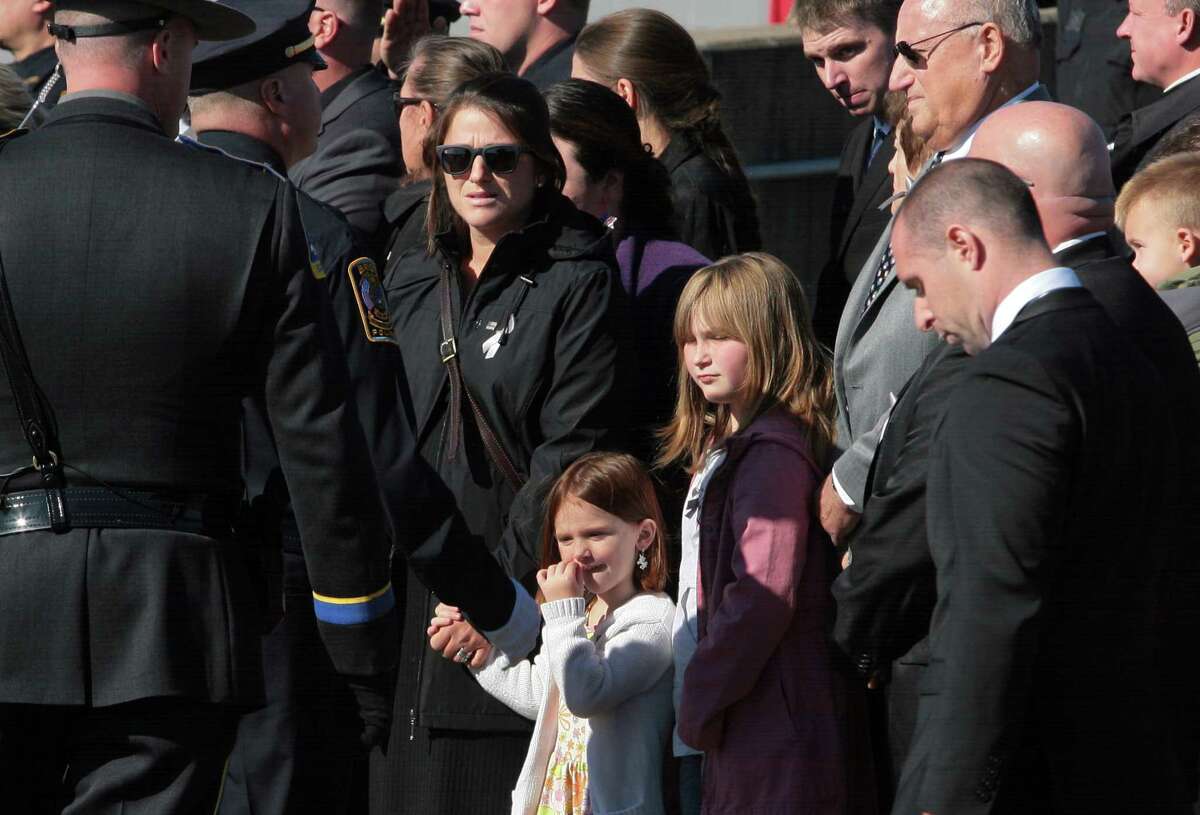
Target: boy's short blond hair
pixel 1173 183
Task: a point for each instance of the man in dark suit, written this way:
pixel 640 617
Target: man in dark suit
pixel 23 32
pixel 850 47
pixel 1164 44
pixel 954 72
pixel 357 163
pixel 1042 694
pixel 1092 66
pixel 886 595
pixel 536 37
pixel 154 287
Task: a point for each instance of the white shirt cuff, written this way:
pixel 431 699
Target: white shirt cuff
pixel 516 638
pixel 837 485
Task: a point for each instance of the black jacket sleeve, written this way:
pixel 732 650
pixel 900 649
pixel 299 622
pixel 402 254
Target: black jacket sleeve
pixel 886 595
pixel 325 460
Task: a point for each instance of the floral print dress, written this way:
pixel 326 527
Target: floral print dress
pixel 564 791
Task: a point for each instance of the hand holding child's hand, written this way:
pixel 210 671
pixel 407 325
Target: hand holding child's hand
pixel 450 634
pixel 561 581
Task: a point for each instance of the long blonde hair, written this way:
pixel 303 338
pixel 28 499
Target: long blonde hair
pixel 756 299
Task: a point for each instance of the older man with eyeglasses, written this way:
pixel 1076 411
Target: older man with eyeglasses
pixel 957 63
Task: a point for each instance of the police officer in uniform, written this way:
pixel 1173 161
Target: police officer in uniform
pixel 23 32
pixel 253 99
pixel 153 287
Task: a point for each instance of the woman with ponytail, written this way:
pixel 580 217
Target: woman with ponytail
pixel 612 175
pixel 652 63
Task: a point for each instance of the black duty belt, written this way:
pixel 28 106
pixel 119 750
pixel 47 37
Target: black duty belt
pixel 102 508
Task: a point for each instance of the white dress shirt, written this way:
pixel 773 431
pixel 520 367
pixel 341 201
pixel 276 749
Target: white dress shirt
pixel 1028 290
pixel 1076 241
pixel 1181 80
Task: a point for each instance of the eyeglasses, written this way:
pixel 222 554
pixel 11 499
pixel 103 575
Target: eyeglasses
pixel 457 159
pixel 913 56
pixel 401 102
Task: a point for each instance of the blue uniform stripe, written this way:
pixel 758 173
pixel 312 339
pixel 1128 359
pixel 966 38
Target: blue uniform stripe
pixel 353 613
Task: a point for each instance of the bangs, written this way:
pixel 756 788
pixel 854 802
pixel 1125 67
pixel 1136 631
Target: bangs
pixel 708 299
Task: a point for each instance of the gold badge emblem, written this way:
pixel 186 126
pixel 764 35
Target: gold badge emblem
pixel 372 303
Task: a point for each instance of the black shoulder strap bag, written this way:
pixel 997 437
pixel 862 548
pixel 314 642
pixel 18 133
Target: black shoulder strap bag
pixel 459 390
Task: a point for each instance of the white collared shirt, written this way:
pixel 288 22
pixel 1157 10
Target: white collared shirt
pixel 1076 241
pixel 964 146
pixel 1182 79
pixel 1028 290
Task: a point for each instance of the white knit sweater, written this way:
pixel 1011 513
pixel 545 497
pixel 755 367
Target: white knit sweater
pixel 620 681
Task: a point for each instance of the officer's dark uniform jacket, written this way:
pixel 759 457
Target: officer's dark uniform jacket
pixel 555 389
pixel 155 287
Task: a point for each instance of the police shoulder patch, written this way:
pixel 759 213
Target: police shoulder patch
pixel 372 302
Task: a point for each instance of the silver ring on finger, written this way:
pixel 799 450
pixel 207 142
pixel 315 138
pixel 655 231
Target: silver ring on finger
pixel 463 656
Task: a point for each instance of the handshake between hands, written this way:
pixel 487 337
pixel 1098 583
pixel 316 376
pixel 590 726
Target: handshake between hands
pixel 458 641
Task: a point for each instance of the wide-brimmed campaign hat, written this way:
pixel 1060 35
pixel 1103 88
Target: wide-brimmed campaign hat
pixel 213 20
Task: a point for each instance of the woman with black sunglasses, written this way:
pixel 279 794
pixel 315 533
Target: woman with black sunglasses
pixel 436 66
pixel 509 318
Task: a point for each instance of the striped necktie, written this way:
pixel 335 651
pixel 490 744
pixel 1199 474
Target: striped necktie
pixel 888 262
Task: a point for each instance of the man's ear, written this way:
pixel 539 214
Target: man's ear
pixel 272 95
pixel 626 90
pixel 992 47
pixel 544 7
pixel 965 247
pixel 1189 246
pixel 42 7
pixel 1185 28
pixel 165 48
pixel 324 28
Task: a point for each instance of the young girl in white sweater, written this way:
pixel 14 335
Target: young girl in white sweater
pixel 600 689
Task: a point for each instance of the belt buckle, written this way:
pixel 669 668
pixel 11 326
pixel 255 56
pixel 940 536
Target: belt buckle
pixel 452 353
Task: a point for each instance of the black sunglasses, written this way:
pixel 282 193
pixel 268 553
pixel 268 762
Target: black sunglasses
pixel 457 159
pixel 401 102
pixel 913 56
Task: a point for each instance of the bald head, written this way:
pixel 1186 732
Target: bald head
pixel 1062 154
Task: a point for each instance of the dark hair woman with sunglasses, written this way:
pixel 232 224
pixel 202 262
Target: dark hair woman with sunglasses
pixel 652 62
pixel 436 66
pixel 510 321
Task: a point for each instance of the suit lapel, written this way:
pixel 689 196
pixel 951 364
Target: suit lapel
pixel 860 145
pixel 867 193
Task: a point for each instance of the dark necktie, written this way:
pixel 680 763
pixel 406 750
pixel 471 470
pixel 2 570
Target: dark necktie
pixel 888 262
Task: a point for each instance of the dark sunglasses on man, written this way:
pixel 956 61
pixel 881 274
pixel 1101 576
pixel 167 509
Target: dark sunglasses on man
pixel 401 102
pixel 501 159
pixel 913 56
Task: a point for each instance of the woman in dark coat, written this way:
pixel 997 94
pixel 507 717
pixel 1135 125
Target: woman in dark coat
pixel 611 175
pixel 652 63
pixel 510 322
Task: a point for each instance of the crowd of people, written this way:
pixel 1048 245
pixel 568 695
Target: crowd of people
pixel 416 425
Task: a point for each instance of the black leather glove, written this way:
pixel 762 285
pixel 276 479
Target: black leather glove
pixel 373 694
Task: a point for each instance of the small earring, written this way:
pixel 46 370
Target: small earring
pixel 642 563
